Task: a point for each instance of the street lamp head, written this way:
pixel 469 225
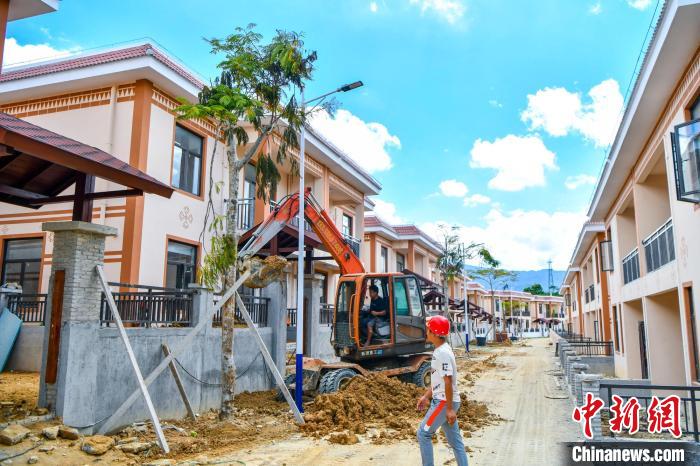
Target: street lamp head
pixel 351 86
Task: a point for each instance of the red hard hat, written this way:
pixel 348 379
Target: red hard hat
pixel 439 325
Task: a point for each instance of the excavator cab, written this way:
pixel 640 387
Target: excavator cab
pixel 401 332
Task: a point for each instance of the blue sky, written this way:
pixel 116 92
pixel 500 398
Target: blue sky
pixel 511 100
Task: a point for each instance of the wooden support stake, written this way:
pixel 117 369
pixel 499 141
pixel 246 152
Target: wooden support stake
pixel 268 359
pixel 183 344
pixel 178 382
pixel 132 358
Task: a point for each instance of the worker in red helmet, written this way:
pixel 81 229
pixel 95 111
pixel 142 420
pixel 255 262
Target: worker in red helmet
pixel 442 397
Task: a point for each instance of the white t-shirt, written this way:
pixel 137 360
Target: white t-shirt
pixel 442 364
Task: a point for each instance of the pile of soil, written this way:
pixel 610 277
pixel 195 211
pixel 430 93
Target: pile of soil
pixel 384 407
pixel 472 368
pixel 19 392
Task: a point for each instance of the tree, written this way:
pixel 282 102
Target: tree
pixel 491 274
pixel 535 289
pixel 452 258
pixel 252 101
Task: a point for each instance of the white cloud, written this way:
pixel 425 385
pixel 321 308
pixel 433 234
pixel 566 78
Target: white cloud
pixel 16 53
pixel 596 9
pixel 520 161
pixel 449 10
pixel 453 188
pixel 373 7
pixel 387 212
pixel 560 112
pixel 366 143
pixel 524 240
pixel 639 4
pixel 573 182
pixel 476 199
pixel 495 103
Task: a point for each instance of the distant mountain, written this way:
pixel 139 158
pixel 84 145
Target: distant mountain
pixel 530 277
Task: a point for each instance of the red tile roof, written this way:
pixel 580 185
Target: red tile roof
pixel 29 140
pixel 400 230
pixel 99 59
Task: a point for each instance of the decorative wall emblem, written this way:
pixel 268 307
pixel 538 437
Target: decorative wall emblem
pixel 186 217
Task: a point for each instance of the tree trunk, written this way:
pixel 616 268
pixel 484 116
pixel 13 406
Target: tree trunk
pixel 228 312
pixel 495 314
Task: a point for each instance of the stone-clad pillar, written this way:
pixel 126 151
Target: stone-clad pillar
pixel 312 302
pixel 78 248
pixel 277 321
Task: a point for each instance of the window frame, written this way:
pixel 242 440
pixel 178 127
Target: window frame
pixel 351 227
pixel 3 257
pixel 402 262
pixel 681 193
pixel 384 256
pixel 202 161
pixel 185 242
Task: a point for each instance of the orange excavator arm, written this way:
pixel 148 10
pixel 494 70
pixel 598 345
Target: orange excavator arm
pixel 320 222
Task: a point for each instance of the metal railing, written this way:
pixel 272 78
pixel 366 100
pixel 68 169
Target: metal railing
pixel 592 347
pixel 30 308
pixel 572 337
pixel 291 317
pixel 257 308
pixel 630 267
pixel 658 247
pixel 353 242
pixel 326 315
pixel 246 213
pixel 156 306
pixel 688 395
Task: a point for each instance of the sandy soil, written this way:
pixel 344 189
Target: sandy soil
pixel 19 393
pixel 511 382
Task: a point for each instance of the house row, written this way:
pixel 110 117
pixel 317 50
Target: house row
pixel 634 274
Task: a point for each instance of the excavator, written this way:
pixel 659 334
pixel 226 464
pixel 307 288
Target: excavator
pixel 398 346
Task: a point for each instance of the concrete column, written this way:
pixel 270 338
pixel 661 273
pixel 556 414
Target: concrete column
pixel 590 383
pixel 78 248
pixel 570 374
pixel 576 370
pixel 277 320
pixel 565 368
pixel 202 301
pixel 312 301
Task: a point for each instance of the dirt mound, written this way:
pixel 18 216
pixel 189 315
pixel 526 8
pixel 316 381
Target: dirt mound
pixel 382 406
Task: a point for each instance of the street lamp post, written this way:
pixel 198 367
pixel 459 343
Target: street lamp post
pixel 299 379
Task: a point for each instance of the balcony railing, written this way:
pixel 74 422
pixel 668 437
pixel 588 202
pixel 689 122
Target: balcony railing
pixel 589 294
pixel 246 213
pixel 688 406
pixel 30 308
pixel 630 267
pixel 658 248
pixel 257 307
pixel 156 306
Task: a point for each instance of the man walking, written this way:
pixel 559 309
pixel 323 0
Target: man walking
pixel 442 396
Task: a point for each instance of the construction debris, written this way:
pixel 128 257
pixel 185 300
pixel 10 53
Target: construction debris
pixel 383 407
pixel 97 445
pixel 13 434
pixel 263 271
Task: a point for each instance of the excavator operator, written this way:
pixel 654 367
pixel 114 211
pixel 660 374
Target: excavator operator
pixel 377 313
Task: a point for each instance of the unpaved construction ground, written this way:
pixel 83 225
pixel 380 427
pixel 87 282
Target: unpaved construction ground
pixel 507 419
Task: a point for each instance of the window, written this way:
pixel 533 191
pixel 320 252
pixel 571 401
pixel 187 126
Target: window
pixel 658 248
pixel 400 262
pixel 686 158
pixel 22 263
pixel 182 265
pixel 415 297
pixel 401 307
pixel 384 265
pixel 347 225
pixel 187 160
pixel 695 109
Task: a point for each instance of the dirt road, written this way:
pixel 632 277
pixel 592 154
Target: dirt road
pixel 515 389
pixel 520 394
